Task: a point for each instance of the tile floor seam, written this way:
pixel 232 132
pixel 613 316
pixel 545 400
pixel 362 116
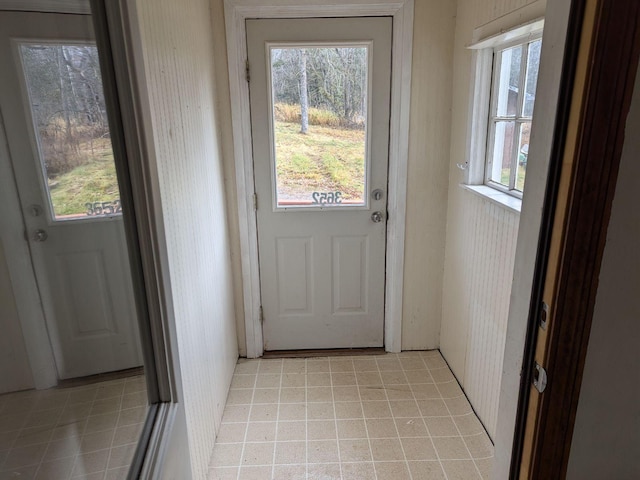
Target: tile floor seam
pixel 461 436
pixel 246 430
pixel 275 437
pixel 82 435
pixel 335 419
pixel 404 454
pixel 113 435
pixel 66 402
pixel 375 472
pixel 444 472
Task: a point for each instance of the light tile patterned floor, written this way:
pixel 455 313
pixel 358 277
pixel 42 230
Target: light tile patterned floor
pixel 87 432
pixel 385 417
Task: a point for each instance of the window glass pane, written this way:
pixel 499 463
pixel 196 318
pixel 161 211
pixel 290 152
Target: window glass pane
pixel 502 152
pixel 508 80
pixel 68 109
pixel 320 112
pixel 523 154
pixel 533 62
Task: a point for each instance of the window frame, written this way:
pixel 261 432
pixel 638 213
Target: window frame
pixel 519 118
pixel 485 40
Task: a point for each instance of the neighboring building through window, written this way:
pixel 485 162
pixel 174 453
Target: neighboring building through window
pixel 513 89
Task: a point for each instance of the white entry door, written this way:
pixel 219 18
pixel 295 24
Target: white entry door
pixel 55 122
pixel 320 95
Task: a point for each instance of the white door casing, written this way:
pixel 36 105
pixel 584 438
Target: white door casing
pixel 236 13
pixel 82 268
pixel 321 266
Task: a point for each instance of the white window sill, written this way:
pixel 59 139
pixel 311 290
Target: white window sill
pixel 502 199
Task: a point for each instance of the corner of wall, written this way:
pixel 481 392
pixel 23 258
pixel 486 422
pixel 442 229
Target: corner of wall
pixel 429 135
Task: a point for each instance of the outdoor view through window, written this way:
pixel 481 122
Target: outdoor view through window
pixel 70 120
pixel 514 90
pixel 320 111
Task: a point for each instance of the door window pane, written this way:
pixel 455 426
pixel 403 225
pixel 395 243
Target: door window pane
pixel 69 113
pixel 319 98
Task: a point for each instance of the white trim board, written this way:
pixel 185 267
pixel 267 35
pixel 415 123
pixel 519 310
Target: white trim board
pixel 236 12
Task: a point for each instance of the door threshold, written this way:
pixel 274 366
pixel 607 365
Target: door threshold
pixel 329 352
pixel 100 377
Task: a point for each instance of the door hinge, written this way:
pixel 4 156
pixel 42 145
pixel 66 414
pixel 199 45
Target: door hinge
pixel 539 377
pixel 261 314
pixel 255 201
pixel 247 71
pixel 544 316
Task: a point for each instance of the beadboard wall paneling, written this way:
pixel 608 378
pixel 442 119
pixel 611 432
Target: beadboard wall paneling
pixel 488 10
pixel 492 233
pixel 178 55
pixel 480 244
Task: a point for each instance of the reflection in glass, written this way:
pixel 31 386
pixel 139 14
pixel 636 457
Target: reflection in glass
pixel 89 424
pixel 502 152
pixel 509 77
pixel 69 112
pixel 320 113
pixel 533 61
pixel 523 154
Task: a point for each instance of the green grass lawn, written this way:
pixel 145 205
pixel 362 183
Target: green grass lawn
pixel 325 159
pixel 95 181
pixel 522 170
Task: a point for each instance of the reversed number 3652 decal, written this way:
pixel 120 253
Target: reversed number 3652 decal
pixel 324 198
pixel 103 208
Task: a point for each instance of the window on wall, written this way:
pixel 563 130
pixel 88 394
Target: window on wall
pixel 513 92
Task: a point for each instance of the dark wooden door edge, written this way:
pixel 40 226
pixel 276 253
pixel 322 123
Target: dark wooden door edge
pixel 614 60
pixel 572 46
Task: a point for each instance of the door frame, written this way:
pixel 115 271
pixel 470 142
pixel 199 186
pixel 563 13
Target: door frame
pixel 236 12
pixel 585 160
pixel 31 312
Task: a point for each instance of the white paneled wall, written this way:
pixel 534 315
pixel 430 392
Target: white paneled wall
pixel 480 244
pixel 491 232
pixel 178 58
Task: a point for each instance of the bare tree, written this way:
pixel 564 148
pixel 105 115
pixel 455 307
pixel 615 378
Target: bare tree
pixel 304 99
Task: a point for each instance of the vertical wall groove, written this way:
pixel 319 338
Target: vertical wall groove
pixel 491 235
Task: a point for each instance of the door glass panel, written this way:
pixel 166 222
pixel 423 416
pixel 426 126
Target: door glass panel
pixel 70 119
pixel 320 103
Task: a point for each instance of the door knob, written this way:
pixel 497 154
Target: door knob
pixel 376 217
pixel 40 236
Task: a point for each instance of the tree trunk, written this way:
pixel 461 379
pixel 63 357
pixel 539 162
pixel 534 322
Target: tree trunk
pixel 63 94
pixel 304 99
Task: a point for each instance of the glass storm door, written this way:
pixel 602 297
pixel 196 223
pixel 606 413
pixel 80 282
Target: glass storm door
pixel 320 94
pixel 55 120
